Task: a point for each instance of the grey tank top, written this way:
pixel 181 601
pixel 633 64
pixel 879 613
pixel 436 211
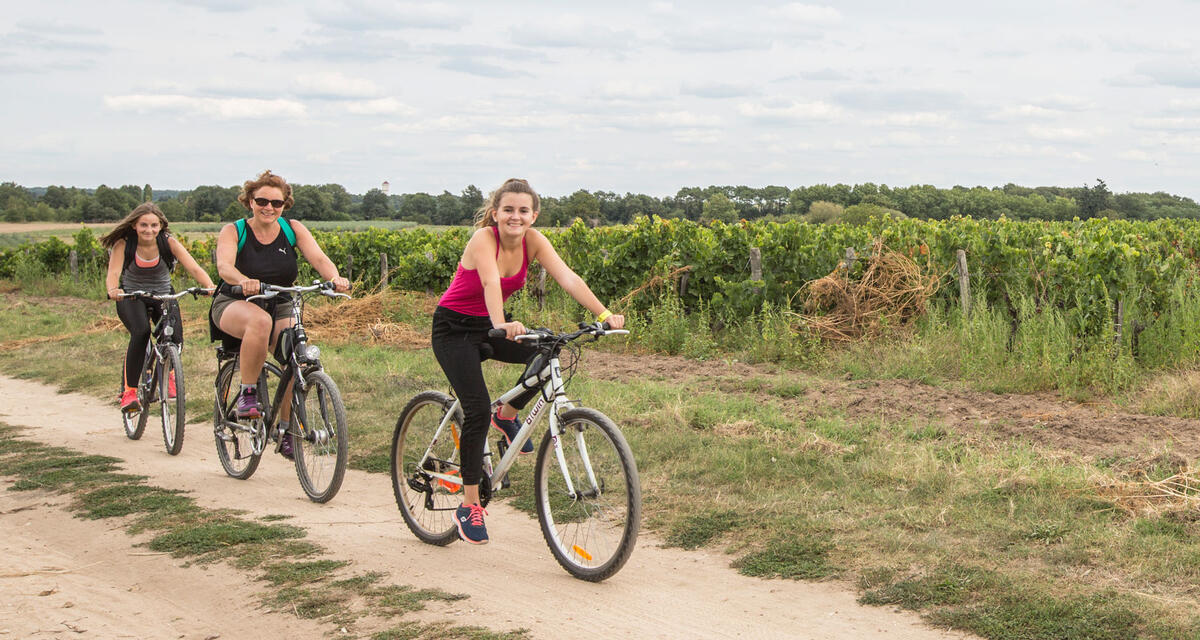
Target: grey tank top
pixel 154 279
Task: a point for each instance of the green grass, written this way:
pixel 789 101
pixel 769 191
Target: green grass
pixel 989 535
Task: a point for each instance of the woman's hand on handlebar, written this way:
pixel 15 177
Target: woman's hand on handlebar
pixel 340 284
pixel 115 293
pixel 250 287
pixel 615 321
pixel 511 329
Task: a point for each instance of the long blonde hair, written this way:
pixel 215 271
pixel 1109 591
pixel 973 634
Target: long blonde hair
pixel 121 231
pixel 483 216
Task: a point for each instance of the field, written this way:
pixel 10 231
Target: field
pixel 894 471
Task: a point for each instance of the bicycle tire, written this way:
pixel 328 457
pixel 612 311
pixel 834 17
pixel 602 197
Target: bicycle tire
pixel 593 534
pixel 427 504
pixel 319 437
pixel 234 448
pixel 173 411
pixel 135 422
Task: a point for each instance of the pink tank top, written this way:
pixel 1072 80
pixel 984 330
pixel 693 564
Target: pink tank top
pixel 465 294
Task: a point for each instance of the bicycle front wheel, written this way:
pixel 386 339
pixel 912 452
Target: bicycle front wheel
pixel 235 441
pixel 173 409
pixel 319 437
pixel 590 514
pixel 427 502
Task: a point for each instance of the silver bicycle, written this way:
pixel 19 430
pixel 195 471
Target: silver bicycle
pixel 586 490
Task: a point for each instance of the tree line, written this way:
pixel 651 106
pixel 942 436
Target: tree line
pixel 816 203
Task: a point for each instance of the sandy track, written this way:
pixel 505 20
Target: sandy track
pixel 513 582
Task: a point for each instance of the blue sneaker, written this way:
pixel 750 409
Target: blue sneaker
pixel 469 519
pixel 510 428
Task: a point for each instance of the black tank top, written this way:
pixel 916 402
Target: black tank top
pixel 273 263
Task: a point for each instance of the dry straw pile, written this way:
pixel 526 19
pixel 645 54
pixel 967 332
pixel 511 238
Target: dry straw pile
pixel 364 318
pixel 892 291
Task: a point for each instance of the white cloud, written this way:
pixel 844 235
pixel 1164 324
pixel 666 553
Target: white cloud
pixel 334 84
pixel 480 141
pixel 809 13
pixel 628 90
pixel 1167 124
pixel 1066 134
pixel 793 112
pixel 1023 112
pixel 917 119
pixel 380 106
pixel 219 108
pixel 381 15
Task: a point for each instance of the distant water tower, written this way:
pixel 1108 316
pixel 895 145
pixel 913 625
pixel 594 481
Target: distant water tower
pixel 385 187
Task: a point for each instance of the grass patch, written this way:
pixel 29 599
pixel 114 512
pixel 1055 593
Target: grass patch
pixel 788 558
pixel 698 530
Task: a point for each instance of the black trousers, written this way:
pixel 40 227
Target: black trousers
pixel 460 344
pixel 137 316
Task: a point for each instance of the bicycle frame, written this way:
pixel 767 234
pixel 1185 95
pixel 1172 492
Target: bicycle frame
pixel 293 370
pixel 553 394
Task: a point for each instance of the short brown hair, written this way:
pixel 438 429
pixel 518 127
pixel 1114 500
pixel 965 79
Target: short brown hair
pixel 266 179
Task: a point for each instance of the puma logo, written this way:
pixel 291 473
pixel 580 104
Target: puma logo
pixel 283 251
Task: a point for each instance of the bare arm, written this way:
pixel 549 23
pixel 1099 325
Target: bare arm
pixel 542 251
pixel 308 246
pixel 227 255
pixel 112 279
pixel 183 257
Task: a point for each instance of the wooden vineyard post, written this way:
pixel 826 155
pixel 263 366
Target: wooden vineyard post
pixel 350 267
pixel 756 266
pixel 964 282
pixel 73 260
pixel 850 258
pixel 1119 323
pixel 383 271
pixel 540 291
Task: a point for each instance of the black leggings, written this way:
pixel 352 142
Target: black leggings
pixel 457 339
pixel 137 316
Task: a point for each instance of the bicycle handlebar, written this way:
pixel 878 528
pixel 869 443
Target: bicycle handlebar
pixel 194 291
pixel 596 329
pixel 270 291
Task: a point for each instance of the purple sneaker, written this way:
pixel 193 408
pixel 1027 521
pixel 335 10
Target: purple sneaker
pixel 247 405
pixel 285 446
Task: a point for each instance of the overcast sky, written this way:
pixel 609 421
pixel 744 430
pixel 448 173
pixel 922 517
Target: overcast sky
pixel 619 96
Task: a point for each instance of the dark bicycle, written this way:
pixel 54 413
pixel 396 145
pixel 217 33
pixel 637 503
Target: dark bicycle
pixel 318 425
pixel 161 366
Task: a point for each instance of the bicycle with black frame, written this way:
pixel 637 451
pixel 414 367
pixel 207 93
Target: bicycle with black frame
pixel 161 378
pixel 317 428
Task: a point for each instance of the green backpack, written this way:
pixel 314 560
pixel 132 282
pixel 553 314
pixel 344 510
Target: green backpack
pixel 283 224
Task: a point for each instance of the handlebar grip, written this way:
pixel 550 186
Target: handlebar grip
pixel 236 290
pixel 496 333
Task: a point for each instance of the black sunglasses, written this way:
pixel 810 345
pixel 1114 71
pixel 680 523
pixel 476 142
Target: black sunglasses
pixel 262 202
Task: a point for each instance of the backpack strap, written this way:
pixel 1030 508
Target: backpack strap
pixel 286 226
pixel 164 250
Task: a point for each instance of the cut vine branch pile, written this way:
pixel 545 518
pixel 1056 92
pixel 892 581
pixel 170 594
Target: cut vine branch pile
pixel 892 291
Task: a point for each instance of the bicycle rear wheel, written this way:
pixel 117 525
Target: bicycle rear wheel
pixel 235 442
pixel 319 437
pixel 593 531
pixel 173 409
pixel 426 502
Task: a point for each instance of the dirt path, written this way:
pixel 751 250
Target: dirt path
pixel 512 582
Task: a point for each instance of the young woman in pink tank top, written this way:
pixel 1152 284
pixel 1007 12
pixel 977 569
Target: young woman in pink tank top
pixel 493 266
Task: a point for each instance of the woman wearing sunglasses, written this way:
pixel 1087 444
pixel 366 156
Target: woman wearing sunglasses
pixel 262 249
